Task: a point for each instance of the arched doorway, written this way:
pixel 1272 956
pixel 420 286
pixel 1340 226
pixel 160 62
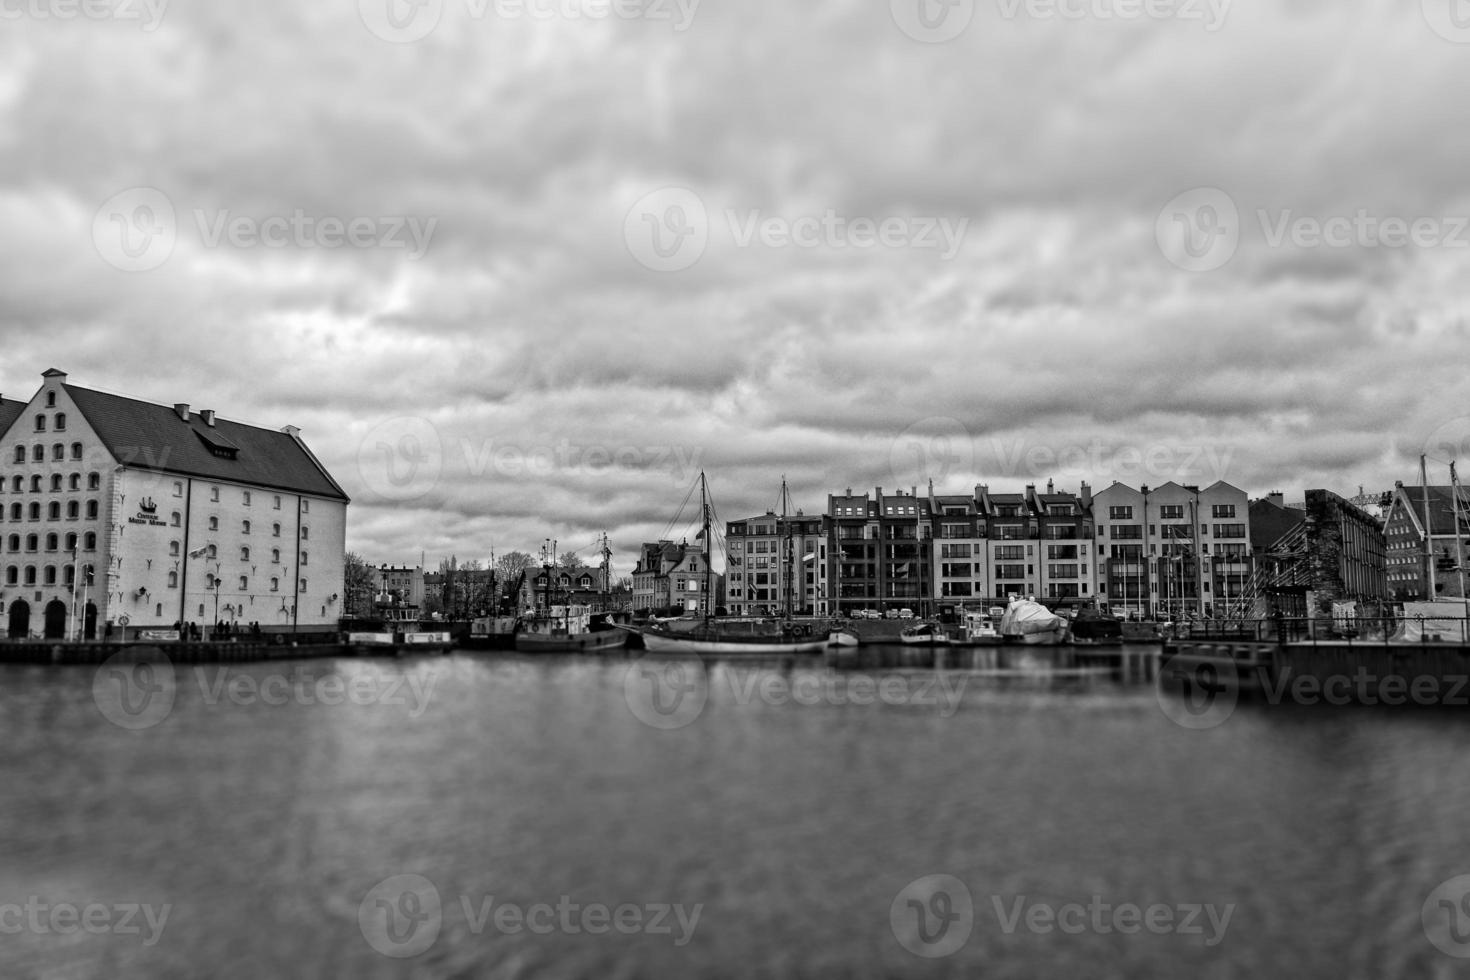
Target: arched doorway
pixel 55 620
pixel 20 619
pixel 89 622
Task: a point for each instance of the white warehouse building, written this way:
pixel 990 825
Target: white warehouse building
pixel 120 515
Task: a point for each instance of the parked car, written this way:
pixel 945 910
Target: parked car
pixel 905 614
pixel 891 614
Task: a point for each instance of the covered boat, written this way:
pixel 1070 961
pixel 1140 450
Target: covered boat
pixel 1028 621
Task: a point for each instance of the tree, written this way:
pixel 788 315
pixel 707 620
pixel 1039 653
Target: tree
pixel 572 562
pixel 510 565
pixel 359 584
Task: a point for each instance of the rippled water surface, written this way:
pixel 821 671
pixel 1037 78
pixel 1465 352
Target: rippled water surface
pixel 792 807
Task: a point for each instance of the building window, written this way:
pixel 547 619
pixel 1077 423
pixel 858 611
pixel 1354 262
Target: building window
pixel 305 532
pixel 36 484
pixel 173 549
pixel 211 551
pixel 14 542
pixel 52 541
pixel 53 511
pixel 30 575
pixel 60 421
pixel 18 484
pixel 38 453
pixel 68 575
pixel 244 583
pixel 214 523
pixel 89 541
pixel 244 527
pixel 58 452
pixel 50 576
pixel 75 483
pixel 55 482
pixel 305 556
pixel 275 530
pixel 244 554
pixel 173 580
pixel 91 510
pixel 40 423
pixel 306 506
pixel 15 512
pixel 247 498
pixel 20 454
pixel 32 542
pixel 174 518
pixel 35 512
pixel 12 575
pixel 178 488
pixel 76 450
pixel 71 541
pixel 276 503
pixel 73 509
pixel 276 556
pixel 1222 510
pixel 303 585
pixel 275 585
pixel 94 481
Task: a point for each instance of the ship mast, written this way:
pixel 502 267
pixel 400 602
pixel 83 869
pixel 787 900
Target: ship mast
pixel 704 510
pixel 786 554
pixel 1428 528
pixel 1459 542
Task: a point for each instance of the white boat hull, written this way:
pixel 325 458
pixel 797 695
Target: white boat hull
pixel 665 643
pixel 571 643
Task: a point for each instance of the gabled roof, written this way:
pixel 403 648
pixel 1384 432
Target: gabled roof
pixel 154 437
pixel 10 412
pixel 1441 507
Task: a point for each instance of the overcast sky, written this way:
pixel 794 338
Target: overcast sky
pixel 520 270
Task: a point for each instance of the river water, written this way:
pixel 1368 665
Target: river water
pixel 502 816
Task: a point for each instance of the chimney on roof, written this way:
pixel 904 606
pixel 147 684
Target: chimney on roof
pixel 1277 497
pixel 1031 494
pixel 207 414
pixel 182 410
pixel 1086 494
pixel 1049 488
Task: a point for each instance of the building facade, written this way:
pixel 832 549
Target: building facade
pixel 123 516
pixel 1417 570
pixel 775 563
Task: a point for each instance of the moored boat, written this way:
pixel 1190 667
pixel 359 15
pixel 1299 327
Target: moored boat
pixel 569 629
pixel 1028 621
pixel 922 633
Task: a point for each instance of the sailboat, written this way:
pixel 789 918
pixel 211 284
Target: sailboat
pixel 713 637
pixel 571 627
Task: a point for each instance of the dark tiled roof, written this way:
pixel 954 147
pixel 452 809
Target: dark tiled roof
pixel 153 437
pixel 1441 506
pixel 10 410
